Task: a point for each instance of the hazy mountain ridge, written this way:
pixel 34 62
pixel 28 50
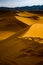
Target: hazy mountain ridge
pixel 27 8
pixel 31 8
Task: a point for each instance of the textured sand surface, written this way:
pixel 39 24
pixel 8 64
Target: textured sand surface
pixel 23 41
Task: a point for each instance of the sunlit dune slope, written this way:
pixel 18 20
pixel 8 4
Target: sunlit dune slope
pixel 29 18
pixel 6 34
pixel 35 30
pixel 27 21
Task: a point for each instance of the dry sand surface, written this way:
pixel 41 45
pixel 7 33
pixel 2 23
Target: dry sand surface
pixel 9 25
pixel 36 30
pixel 17 47
pixel 19 51
pixel 29 18
pixel 6 34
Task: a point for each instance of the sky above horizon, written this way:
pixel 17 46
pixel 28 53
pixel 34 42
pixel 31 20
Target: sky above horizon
pixel 19 3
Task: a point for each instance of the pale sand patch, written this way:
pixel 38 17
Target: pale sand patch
pixel 6 34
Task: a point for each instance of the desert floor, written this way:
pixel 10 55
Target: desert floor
pixel 21 38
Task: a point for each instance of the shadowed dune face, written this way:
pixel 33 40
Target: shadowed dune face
pixel 19 51
pixel 40 63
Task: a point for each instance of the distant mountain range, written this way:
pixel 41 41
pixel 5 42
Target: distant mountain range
pixel 31 8
pixel 27 8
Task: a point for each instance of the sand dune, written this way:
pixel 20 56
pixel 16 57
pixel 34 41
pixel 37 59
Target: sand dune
pixel 36 30
pixel 29 18
pixel 25 13
pixel 9 25
pixel 19 49
pixel 27 21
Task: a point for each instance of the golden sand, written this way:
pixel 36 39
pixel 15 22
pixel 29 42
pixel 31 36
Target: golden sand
pixel 24 17
pixel 26 20
pixel 5 34
pixel 36 30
